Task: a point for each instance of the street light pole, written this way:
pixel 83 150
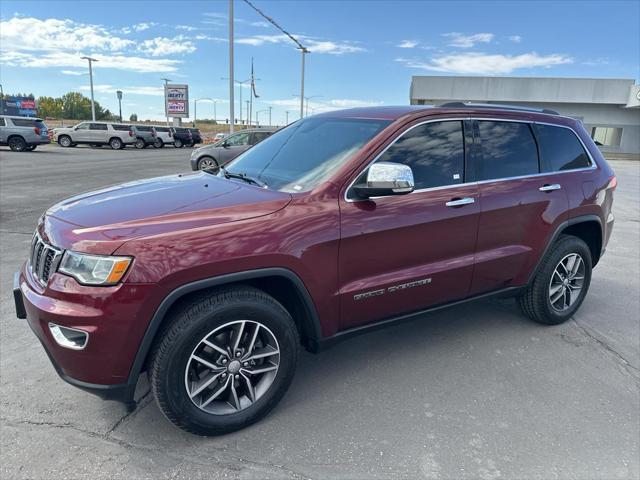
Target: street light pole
pixel 304 52
pixel 231 99
pixel 286 116
pixel 166 113
pixel 270 115
pixel 119 94
pixel 248 118
pixel 93 106
pixel 257 113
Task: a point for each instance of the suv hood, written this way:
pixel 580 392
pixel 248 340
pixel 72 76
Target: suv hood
pixel 100 221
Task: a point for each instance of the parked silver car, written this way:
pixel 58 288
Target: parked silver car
pixel 163 136
pixel 115 135
pixel 219 154
pixel 23 133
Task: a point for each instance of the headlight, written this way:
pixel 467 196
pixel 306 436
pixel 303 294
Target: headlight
pixel 94 269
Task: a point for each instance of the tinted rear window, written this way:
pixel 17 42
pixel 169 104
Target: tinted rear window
pixel 181 130
pixel 142 128
pixel 124 128
pixel 161 129
pixel 560 149
pixel 507 149
pixel 24 122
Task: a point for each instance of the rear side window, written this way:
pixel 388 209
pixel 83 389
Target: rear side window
pixel 507 149
pixel 2 124
pixel 181 130
pixel 162 129
pixel 434 151
pixel 97 126
pixel 23 122
pixel 258 137
pixel 560 149
pixel 122 128
pixel 143 128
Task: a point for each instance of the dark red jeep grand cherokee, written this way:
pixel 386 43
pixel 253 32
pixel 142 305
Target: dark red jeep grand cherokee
pixel 210 281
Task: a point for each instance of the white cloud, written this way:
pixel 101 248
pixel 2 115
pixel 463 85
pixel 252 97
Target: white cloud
pixel 485 64
pixel 314 45
pixel 186 28
pixel 153 91
pixel 163 46
pixel 73 72
pixel 140 27
pixel 467 41
pixel 259 24
pixel 515 38
pixel 68 59
pixel 408 44
pixel 33 34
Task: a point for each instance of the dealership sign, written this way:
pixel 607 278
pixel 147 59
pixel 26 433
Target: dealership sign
pixel 176 100
pixel 22 106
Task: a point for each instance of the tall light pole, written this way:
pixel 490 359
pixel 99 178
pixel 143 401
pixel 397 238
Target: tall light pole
pixel 231 99
pixel 270 115
pixel 304 52
pixel 306 100
pixel 119 94
pixel 93 106
pixel 195 108
pixel 166 113
pixel 258 113
pixel 239 83
pixel 248 118
pixel 286 117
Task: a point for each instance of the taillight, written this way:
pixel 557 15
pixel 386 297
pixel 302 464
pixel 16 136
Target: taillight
pixel 613 183
pixel 36 130
pixel 131 133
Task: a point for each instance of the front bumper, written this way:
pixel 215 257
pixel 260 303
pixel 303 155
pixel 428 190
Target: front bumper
pixel 107 314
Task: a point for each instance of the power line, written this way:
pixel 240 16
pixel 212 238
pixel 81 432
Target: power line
pixel 275 24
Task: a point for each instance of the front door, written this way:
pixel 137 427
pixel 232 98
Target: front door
pixel 400 254
pixel 521 207
pixel 81 133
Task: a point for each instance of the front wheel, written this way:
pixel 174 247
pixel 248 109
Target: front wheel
pixel 158 143
pixel 64 141
pixel 208 163
pixel 178 143
pixel 31 148
pixel 225 362
pixel 561 283
pixel 140 143
pixel 115 144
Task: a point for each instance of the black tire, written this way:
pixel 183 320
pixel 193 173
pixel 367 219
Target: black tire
pixel 96 145
pixel 194 321
pixel 203 161
pixel 535 301
pixel 177 143
pixel 116 144
pixel 65 141
pixel 140 144
pixel 17 144
pixel 30 148
pixel 158 143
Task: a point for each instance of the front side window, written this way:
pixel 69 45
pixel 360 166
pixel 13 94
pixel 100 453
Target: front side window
pixel 82 126
pixel 238 140
pixel 98 126
pixel 560 149
pixel 507 149
pixel 434 151
pixel 303 154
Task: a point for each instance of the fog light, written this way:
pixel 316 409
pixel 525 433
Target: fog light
pixel 69 337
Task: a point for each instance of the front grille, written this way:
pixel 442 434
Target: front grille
pixel 44 259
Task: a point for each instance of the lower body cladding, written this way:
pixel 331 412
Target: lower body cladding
pixel 89 333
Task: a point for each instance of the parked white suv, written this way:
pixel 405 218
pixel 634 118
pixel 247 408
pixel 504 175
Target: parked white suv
pixel 163 137
pixel 116 135
pixel 22 134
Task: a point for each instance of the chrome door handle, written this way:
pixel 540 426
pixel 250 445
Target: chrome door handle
pixel 458 202
pixel 550 187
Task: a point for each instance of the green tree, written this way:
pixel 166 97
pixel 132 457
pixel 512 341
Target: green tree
pixel 133 117
pixel 50 107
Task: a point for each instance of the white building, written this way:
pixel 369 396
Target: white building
pixel 609 108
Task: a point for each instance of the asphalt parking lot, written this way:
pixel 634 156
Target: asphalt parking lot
pixel 476 391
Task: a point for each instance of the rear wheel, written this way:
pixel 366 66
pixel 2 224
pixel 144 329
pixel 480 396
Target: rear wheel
pixel 115 143
pixel 158 143
pixel 178 143
pixel 561 283
pixel 225 362
pixel 140 143
pixel 64 141
pixel 30 148
pixel 17 144
pixel 208 163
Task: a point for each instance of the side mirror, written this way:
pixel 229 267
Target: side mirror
pixel 384 179
pixel 225 144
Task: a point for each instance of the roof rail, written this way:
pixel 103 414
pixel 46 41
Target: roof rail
pixel 498 106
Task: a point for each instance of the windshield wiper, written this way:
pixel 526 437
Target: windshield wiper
pixel 242 176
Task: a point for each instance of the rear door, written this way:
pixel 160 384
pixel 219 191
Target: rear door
pixel 521 207
pixel 405 253
pixel 3 130
pixel 98 132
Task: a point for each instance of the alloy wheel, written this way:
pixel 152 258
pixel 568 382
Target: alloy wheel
pixel 232 367
pixel 208 164
pixel 566 282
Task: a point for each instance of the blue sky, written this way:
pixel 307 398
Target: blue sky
pixel 362 52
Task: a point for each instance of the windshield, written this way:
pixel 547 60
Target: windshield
pixel 300 156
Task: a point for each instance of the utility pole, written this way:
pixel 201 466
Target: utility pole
pixel 286 116
pixel 258 113
pixel 119 94
pixel 304 52
pixel 270 115
pixel 231 99
pixel 215 113
pixel 239 83
pixel 93 106
pixel 248 117
pixel 166 113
